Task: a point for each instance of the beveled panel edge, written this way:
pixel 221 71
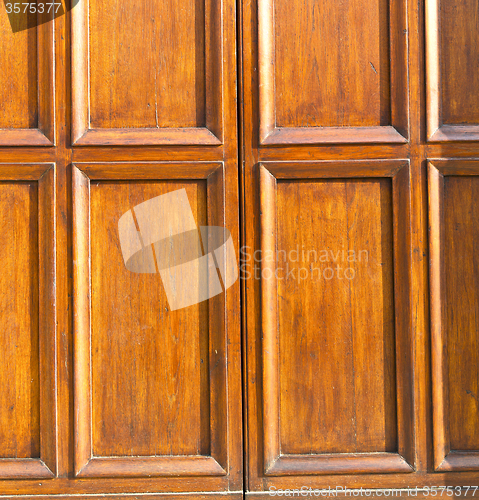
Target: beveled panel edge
pixel 25 468
pixel 82 135
pixel 276 464
pixel 445 459
pixel 151 466
pixel 199 136
pixel 44 467
pixel 218 328
pixel 326 169
pixel 81 320
pixel 154 170
pixel 397 132
pixel 339 463
pixel 404 311
pixel 86 464
pixel 332 135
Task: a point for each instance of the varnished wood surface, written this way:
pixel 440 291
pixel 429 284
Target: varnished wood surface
pixel 19 103
pixel 169 91
pixel 452 78
pixel 419 128
pixel 420 493
pixel 54 91
pixel 20 408
pixel 168 410
pixel 27 104
pixel 178 439
pixel 27 310
pixel 281 131
pixel 460 234
pixel 459 40
pixel 316 343
pixel 344 82
pixel 343 91
pixel 453 298
pixel 334 433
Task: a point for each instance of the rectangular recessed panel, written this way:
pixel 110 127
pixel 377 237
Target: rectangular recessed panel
pixel 147 64
pixel 461 264
pixel 19 321
pixel 331 63
pixel 18 75
pixel 459 53
pixel 336 316
pixel 157 80
pixel 150 369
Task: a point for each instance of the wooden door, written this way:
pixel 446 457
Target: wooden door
pixel 360 129
pixel 105 387
pixel 343 162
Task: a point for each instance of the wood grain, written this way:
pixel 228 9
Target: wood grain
pixel 452 75
pixel 19 311
pixel 153 379
pixel 163 87
pixel 27 313
pixel 343 91
pixel 48 69
pixel 351 323
pixel 347 84
pixel 27 104
pixel 152 396
pixel 445 128
pixel 19 103
pixel 453 302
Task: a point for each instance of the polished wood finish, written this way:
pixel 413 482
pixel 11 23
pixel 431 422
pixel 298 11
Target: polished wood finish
pixel 342 103
pixel 343 91
pixel 292 353
pixel 179 97
pixel 187 436
pixel 318 127
pixel 452 73
pixel 452 217
pixel 27 102
pixel 27 316
pixel 158 422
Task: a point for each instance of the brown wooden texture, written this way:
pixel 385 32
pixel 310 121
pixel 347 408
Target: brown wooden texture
pixel 161 75
pixel 342 90
pixel 163 87
pixel 146 387
pixel 27 83
pixel 318 81
pixel 453 189
pixel 341 356
pixel 453 74
pixel 27 317
pixel 330 89
pixel 337 420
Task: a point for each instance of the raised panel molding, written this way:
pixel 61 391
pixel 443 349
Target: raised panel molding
pixel 86 463
pixel 396 131
pixel 43 134
pixel 445 321
pixel 43 467
pixel 462 85
pixel 277 462
pixel 209 134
